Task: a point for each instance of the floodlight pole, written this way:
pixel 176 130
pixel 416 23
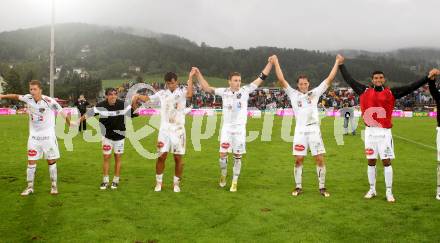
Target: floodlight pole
pixel 52 51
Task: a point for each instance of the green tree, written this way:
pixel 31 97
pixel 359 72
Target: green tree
pixel 13 84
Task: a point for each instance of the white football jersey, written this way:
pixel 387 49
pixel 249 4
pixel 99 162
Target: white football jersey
pixel 41 114
pixel 305 106
pixel 235 104
pixel 172 106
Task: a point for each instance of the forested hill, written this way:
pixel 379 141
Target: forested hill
pixel 108 52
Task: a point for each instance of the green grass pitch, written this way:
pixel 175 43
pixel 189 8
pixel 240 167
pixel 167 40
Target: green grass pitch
pixel 261 211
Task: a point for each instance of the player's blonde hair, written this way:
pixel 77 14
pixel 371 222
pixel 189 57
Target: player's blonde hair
pixel 36 82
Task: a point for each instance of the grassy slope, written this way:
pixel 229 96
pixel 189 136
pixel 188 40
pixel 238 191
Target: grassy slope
pixel 262 209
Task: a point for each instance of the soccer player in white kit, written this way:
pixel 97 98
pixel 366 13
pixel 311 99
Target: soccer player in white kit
pixel 233 131
pixel 172 135
pixel 42 139
pixel 436 96
pixel 307 130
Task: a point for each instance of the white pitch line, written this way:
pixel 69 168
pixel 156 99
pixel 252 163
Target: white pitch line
pixel 414 142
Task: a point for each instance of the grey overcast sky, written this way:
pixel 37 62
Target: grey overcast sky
pixel 376 25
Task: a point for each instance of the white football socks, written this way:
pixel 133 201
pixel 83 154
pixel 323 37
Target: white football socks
pixel 236 169
pixel 159 178
pixel 321 176
pixel 388 173
pixel 53 173
pixel 372 177
pixel 30 172
pixel 223 166
pixel 297 173
pixel 438 178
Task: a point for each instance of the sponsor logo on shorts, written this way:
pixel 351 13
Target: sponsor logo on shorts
pixel 32 152
pixel 40 138
pixel 225 145
pixel 299 147
pixel 160 144
pixel 106 147
pixel 369 151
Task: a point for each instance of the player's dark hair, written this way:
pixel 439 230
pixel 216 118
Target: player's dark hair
pixel 377 72
pixel 109 90
pixel 170 76
pixel 302 76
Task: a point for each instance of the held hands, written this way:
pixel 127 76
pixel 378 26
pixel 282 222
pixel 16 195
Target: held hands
pixel 340 59
pixel 433 73
pixel 195 71
pixel 273 59
pixel 192 73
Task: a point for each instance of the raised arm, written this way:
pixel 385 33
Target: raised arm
pixel 10 97
pixel 280 76
pixel 334 71
pixel 189 88
pixel 434 91
pixel 433 88
pixel 203 82
pixel 357 87
pixel 263 75
pixel 399 92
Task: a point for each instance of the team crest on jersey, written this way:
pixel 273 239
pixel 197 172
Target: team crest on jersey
pixel 41 110
pixel 300 104
pixel 51 152
pixel 239 96
pixel 388 152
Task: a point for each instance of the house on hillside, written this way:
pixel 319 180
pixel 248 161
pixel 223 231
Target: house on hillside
pixel 81 72
pixel 135 69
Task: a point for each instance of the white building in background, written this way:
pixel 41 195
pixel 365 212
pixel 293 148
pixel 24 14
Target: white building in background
pixel 1 84
pixel 136 69
pixel 57 72
pixel 85 49
pixel 81 72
